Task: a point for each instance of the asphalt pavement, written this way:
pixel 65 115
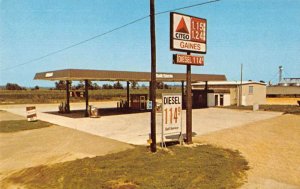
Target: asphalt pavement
pixel 135 128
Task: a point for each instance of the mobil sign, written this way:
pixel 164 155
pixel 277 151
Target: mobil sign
pixel 188 33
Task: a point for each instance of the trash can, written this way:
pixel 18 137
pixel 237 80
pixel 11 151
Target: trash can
pixel 255 107
pixel 93 112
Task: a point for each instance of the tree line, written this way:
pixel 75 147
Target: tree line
pixel 61 85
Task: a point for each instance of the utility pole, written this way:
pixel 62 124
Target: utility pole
pixel 188 104
pixel 68 96
pixel 153 77
pixel 241 87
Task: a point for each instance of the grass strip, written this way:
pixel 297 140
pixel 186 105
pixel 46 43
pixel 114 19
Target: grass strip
pixel 287 109
pixel 21 125
pixel 203 166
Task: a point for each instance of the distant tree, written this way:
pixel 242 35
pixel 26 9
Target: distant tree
pixel 118 85
pixel 159 85
pixel 13 86
pixel 36 87
pixel 262 81
pixel 92 86
pixel 80 85
pixel 143 86
pixel 166 86
pixel 96 86
pixel 134 85
pixel 107 86
pixel 61 85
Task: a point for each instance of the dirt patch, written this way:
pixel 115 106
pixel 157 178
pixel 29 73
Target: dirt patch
pixel 271 147
pixel 51 145
pixel 6 116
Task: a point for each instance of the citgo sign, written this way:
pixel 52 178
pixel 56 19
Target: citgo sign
pixel 188 33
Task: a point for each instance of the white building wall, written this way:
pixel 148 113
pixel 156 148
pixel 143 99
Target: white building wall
pixel 211 99
pixel 227 100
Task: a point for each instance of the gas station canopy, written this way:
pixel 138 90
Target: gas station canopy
pixel 108 75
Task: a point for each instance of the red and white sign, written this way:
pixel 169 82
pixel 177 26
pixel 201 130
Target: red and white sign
pixel 31 113
pixel 171 114
pixel 188 59
pixel 188 33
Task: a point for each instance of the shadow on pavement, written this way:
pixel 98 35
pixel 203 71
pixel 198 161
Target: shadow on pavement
pixel 101 112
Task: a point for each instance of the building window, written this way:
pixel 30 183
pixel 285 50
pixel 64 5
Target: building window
pixel 250 90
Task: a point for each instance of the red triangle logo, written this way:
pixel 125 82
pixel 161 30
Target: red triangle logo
pixel 182 27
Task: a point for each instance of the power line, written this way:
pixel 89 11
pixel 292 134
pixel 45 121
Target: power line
pixel 75 44
pixel 105 33
pixel 186 7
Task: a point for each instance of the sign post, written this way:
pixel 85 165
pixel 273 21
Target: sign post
pixel 188 34
pixel 153 77
pixel 188 104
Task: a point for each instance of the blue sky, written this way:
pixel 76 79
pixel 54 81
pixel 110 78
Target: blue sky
pixel 260 34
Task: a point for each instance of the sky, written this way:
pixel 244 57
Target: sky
pixel 260 34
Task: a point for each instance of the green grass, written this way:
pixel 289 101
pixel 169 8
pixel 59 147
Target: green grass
pixel 21 125
pixel 203 166
pixel 287 109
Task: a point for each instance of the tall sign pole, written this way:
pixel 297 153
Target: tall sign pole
pixel 188 104
pixel 188 34
pixel 241 88
pixel 153 77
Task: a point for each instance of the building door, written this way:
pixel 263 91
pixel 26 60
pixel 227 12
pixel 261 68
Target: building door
pixel 199 99
pixel 216 100
pixel 221 100
pixel 142 103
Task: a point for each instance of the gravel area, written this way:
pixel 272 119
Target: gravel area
pixel 271 146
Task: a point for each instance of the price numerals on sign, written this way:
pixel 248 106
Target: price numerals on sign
pixel 172 115
pixel 198 29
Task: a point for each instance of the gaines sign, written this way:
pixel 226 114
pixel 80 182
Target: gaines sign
pixel 188 33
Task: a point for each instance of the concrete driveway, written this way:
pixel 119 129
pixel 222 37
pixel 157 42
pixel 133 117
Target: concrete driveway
pixel 135 128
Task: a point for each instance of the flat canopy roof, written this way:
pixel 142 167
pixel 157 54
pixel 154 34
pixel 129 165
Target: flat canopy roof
pixel 223 83
pixel 108 75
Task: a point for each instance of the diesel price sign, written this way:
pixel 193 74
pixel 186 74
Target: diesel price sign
pixel 188 33
pixel 188 59
pixel 171 113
